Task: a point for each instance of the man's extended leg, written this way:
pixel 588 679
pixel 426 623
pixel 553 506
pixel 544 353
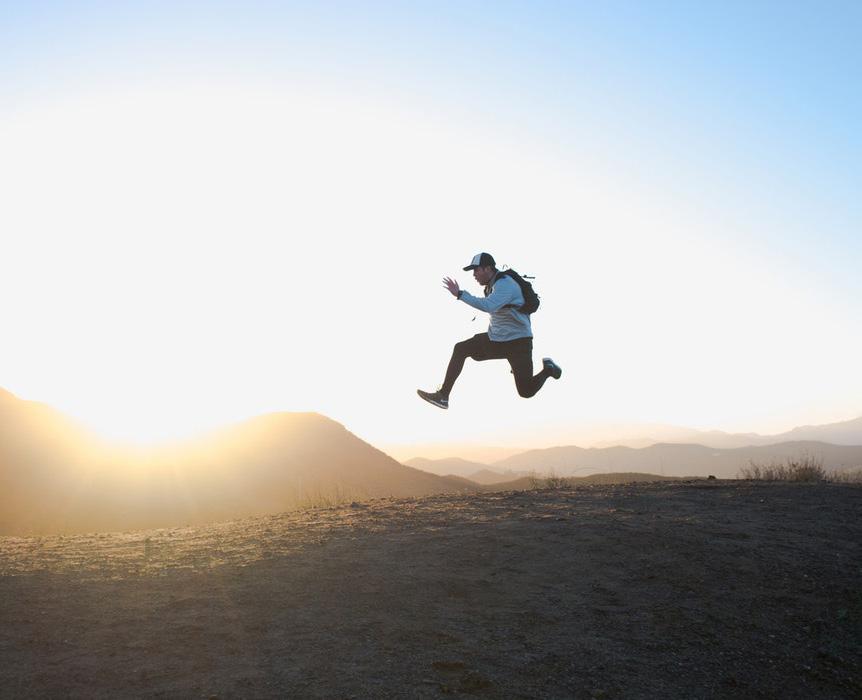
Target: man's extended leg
pixel 476 347
pixel 479 347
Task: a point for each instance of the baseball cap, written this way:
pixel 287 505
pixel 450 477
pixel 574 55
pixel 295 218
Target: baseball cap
pixel 480 260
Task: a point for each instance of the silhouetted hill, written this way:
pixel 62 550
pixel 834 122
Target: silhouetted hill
pixel 676 460
pixel 56 477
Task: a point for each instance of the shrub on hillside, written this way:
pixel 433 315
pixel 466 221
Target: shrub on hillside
pixel 552 481
pixel 804 468
pixel 326 498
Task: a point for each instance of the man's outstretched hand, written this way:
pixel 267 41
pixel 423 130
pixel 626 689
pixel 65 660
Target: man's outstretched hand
pixel 452 286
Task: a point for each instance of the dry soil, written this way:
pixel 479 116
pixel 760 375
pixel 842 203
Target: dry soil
pixel 682 589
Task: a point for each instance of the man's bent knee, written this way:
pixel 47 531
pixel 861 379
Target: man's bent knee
pixel 525 390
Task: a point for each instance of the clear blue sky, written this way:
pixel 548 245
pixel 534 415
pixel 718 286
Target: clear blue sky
pixel 736 118
pixel 761 99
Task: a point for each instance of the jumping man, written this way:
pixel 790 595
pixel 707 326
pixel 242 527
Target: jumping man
pixel 509 336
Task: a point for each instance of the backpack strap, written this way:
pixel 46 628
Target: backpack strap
pixel 508 273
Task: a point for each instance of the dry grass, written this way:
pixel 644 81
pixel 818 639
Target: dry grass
pixel 552 481
pixel 331 498
pixel 848 476
pixel 805 468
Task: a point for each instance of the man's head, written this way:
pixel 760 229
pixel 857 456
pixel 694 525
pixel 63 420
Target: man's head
pixel 484 268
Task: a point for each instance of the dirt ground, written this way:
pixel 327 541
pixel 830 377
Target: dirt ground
pixel 684 589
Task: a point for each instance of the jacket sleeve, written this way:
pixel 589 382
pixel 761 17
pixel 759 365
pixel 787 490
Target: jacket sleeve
pixel 506 291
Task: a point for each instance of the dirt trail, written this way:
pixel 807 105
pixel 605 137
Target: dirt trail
pixel 682 589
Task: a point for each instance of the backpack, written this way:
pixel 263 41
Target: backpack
pixel 531 299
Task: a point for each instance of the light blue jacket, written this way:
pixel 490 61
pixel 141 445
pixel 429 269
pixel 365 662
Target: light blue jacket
pixel 507 323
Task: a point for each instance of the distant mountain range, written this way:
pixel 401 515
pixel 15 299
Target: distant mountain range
pixel 843 433
pixel 637 435
pixel 680 452
pixel 475 471
pixel 676 460
pixel 667 459
pixel 57 477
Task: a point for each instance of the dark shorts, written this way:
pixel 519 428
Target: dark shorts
pixel 481 347
pixel 518 352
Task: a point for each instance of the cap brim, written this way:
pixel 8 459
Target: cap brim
pixel 470 267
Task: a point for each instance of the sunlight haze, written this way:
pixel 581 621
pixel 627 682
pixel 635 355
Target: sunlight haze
pixel 263 225
pixel 233 240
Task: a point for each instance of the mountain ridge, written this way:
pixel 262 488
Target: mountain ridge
pixel 60 479
pixel 677 459
pixel 57 476
pixel 848 432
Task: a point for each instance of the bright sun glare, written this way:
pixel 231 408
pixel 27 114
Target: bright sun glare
pixel 172 229
pixel 190 257
pixel 151 218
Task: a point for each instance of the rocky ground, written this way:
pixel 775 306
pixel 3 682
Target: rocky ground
pixel 680 589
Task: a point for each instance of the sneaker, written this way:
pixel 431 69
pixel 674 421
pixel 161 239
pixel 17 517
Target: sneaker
pixel 552 367
pixel 436 398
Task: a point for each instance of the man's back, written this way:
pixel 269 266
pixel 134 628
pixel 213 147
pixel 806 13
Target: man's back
pixel 502 303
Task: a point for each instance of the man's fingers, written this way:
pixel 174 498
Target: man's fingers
pixel 451 285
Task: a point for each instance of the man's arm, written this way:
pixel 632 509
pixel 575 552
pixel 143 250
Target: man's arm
pixel 506 291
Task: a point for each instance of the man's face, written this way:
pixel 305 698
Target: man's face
pixel 483 275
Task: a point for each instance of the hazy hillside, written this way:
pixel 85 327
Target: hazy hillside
pixel 675 460
pixel 452 465
pixel 36 430
pixel 55 477
pixel 843 433
pixel 483 454
pixel 490 477
pixel 654 434
pixel 474 471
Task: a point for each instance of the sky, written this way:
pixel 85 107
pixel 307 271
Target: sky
pixel 216 210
